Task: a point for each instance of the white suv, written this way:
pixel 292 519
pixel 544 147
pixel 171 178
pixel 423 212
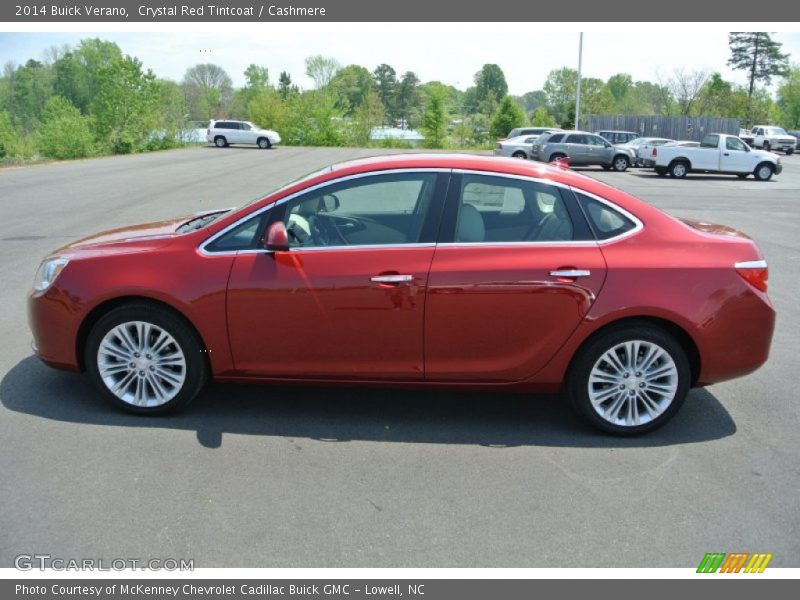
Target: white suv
pixel 773 138
pixel 221 133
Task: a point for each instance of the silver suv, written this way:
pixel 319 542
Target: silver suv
pixel 582 148
pixel 225 132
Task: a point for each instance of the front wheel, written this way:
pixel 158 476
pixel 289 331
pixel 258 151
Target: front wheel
pixel 789 151
pixel 621 163
pixel 629 380
pixel 145 359
pixel 264 143
pixel 764 172
pixel 519 154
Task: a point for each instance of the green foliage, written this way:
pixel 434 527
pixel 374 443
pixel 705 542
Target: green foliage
pixel 508 116
pixel 353 83
pixel 434 118
pixel 209 91
pixel 125 105
pixel 490 83
pixel 386 85
pixel 369 114
pixel 789 98
pixel 542 118
pixel 8 136
pixel 321 69
pixel 64 132
pixel 29 87
pixel 77 72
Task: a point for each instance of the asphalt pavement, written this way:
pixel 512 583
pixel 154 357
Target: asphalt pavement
pixel 254 476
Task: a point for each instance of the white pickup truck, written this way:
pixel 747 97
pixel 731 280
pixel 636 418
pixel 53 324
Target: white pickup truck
pixel 773 138
pixel 717 153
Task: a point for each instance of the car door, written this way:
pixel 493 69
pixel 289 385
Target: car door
pixel 577 149
pixel 735 157
pixel 599 151
pixel 707 156
pixel 347 300
pixel 247 134
pixel 514 273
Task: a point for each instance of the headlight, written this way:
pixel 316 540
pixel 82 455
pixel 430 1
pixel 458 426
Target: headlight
pixel 48 271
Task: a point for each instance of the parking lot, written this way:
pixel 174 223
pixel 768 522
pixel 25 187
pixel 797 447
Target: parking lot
pixel 316 477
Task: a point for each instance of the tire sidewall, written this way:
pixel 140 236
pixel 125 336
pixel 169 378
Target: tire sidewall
pixel 266 145
pixel 578 377
pixel 757 172
pixel 618 158
pixel 672 169
pixel 196 364
pixel 219 139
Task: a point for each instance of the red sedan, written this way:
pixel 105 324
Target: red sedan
pixel 415 270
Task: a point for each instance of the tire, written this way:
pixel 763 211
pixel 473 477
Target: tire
pixel 632 404
pixel 790 151
pixel 556 156
pixel 766 146
pixel 763 172
pixel 115 356
pixel 621 163
pixel 264 143
pixel 679 169
pixel 519 154
pixel 220 141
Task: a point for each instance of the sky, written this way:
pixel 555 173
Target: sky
pixel 450 52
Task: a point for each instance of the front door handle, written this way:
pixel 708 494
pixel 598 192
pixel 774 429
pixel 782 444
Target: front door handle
pixel 570 273
pixel 392 278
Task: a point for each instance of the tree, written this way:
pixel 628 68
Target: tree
pixel 65 132
pixel 208 90
pixel 508 116
pixel 353 83
pixel 77 71
pixel 125 105
pixel 407 96
pixel 533 100
pixel 386 86
pixel 490 80
pixel 758 54
pixel 434 119
pixel 285 87
pixel 789 98
pixel 560 87
pixel 321 69
pixel 368 116
pixel 685 87
pixel 257 77
pixel 542 118
pixel 619 85
pixel 29 88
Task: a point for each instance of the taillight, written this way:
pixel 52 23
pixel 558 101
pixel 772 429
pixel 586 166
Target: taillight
pixel 655 151
pixel 754 272
pixel 208 131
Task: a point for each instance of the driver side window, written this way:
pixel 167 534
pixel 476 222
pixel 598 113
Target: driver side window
pixel 375 210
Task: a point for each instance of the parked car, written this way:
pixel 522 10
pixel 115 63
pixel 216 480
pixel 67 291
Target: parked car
pixel 224 133
pixel 582 148
pixel 644 149
pixel 635 144
pixel 530 131
pixel 795 134
pixel 717 153
pixel 516 147
pixel 618 137
pixel 774 139
pixel 746 137
pixel 511 276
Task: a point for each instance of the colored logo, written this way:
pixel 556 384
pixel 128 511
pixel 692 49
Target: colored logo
pixel 736 562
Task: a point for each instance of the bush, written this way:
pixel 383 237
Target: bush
pixel 64 132
pixel 509 115
pixel 8 137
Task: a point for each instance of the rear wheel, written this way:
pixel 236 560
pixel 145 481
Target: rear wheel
pixel 789 151
pixel 264 143
pixel 767 146
pixel 220 141
pixel 679 169
pixel 145 359
pixel 519 154
pixel 629 380
pixel 763 172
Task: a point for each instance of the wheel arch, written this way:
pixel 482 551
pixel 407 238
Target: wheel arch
pixel 671 327
pixel 680 159
pixel 102 309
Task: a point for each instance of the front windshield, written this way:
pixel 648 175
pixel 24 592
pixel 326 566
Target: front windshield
pixel 776 131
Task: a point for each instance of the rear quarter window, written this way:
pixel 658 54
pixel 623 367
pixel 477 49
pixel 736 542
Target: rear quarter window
pixel 605 221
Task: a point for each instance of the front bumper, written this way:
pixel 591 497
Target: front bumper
pixel 778 169
pixel 54 323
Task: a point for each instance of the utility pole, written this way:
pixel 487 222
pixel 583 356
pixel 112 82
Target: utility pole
pixel 578 96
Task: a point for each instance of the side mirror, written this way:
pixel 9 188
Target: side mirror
pixel 276 238
pixel 328 203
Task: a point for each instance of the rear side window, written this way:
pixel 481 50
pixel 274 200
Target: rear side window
pixel 577 139
pixel 555 138
pixel 710 141
pixel 606 223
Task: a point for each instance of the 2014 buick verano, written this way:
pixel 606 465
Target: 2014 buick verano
pixel 415 270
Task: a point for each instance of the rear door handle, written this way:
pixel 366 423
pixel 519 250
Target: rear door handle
pixel 392 278
pixel 570 273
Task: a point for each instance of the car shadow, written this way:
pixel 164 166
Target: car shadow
pixel 339 414
pixel 237 147
pixel 693 177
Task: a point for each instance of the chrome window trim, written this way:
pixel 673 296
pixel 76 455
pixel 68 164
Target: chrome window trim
pixel 202 247
pixel 638 224
pixel 751 264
